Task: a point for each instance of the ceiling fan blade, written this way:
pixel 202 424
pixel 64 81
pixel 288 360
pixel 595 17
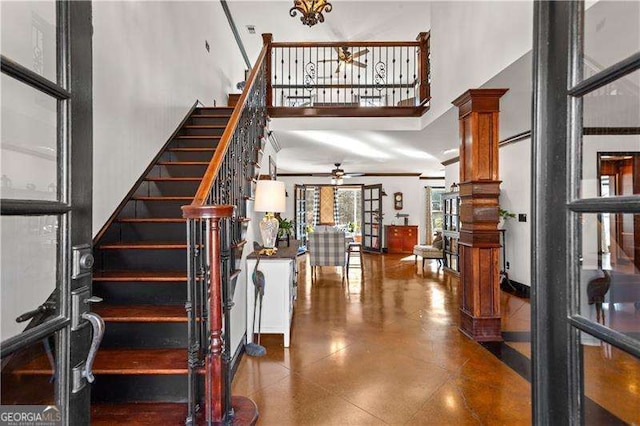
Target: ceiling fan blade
pixel 360 53
pixel 359 64
pixel 329 60
pixel 338 69
pixel 350 175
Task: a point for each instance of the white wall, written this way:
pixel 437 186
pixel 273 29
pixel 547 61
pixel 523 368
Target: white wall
pixel 412 188
pixel 515 196
pixel 149 67
pixel 471 41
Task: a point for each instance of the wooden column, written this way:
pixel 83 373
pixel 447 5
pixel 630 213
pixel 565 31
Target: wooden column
pixel 479 244
pixel 267 39
pixel 423 67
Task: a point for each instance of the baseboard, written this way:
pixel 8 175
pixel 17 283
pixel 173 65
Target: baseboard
pixel 521 290
pixel 237 357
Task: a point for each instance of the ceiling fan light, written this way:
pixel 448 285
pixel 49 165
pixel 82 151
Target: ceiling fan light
pixel 311 10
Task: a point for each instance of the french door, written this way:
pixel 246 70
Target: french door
pixel 372 218
pixel 300 200
pixel 586 102
pixel 45 207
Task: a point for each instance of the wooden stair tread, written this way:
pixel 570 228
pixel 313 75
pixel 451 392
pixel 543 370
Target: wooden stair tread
pixel 141 313
pixel 143 276
pixel 123 361
pixel 151 220
pixel 167 198
pixel 183 163
pixel 174 179
pixel 143 245
pixel 191 149
pixel 139 414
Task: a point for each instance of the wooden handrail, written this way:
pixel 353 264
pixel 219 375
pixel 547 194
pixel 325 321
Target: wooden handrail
pixel 214 165
pixel 347 43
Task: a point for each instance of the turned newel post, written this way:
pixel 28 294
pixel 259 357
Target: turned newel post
pixel 266 41
pixel 479 244
pixel 424 67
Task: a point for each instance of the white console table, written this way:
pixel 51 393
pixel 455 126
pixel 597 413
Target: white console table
pixel 280 275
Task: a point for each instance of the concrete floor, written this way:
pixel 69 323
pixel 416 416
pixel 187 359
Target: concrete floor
pixel 383 349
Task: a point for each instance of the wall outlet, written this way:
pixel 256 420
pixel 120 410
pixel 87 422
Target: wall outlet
pixel 522 217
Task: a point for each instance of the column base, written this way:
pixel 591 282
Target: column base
pixel 245 411
pixel 480 329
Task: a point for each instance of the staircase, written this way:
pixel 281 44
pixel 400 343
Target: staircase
pixel 141 273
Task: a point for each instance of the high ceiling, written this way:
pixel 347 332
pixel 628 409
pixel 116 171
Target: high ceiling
pixel 403 145
pixel 349 21
pixel 383 145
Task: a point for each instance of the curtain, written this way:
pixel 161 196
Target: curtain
pixel 316 206
pixel 428 226
pixel 336 211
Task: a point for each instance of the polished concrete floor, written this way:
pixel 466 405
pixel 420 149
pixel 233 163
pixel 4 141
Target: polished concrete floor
pixel 383 348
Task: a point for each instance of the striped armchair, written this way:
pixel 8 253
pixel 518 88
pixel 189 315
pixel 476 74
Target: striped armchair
pixel 327 249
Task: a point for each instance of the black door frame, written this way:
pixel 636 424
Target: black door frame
pixel 370 188
pixel 73 91
pixel 558 88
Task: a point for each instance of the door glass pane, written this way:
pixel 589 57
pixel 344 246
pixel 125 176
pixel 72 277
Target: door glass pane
pixel 28 270
pixel 611 33
pixel 610 142
pixel 614 106
pixel 29 35
pixel 28 145
pixel 611 384
pixel 610 274
pixel 29 375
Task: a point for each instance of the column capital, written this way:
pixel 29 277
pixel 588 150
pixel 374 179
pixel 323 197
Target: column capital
pixel 479 100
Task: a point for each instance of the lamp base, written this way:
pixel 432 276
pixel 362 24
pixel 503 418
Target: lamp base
pixel 269 231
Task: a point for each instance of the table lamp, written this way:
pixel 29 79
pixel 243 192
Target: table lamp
pixel 270 198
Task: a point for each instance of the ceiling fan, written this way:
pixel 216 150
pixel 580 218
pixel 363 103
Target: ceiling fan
pixel 338 174
pixel 347 57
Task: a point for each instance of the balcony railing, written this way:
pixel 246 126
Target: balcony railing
pixel 330 75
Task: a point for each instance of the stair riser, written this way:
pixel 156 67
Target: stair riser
pixel 145 335
pixel 210 111
pixel 143 260
pixel 139 388
pixel 203 132
pixel 147 209
pixel 168 189
pixel 129 232
pixel 187 155
pixel 194 143
pixel 141 293
pixel 208 121
pixel 165 170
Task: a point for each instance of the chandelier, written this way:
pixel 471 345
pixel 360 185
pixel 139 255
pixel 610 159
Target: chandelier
pixel 311 10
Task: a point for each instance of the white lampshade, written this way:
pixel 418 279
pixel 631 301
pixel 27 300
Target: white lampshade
pixel 270 196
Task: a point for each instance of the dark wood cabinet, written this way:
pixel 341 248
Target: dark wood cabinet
pixel 451 230
pixel 401 239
